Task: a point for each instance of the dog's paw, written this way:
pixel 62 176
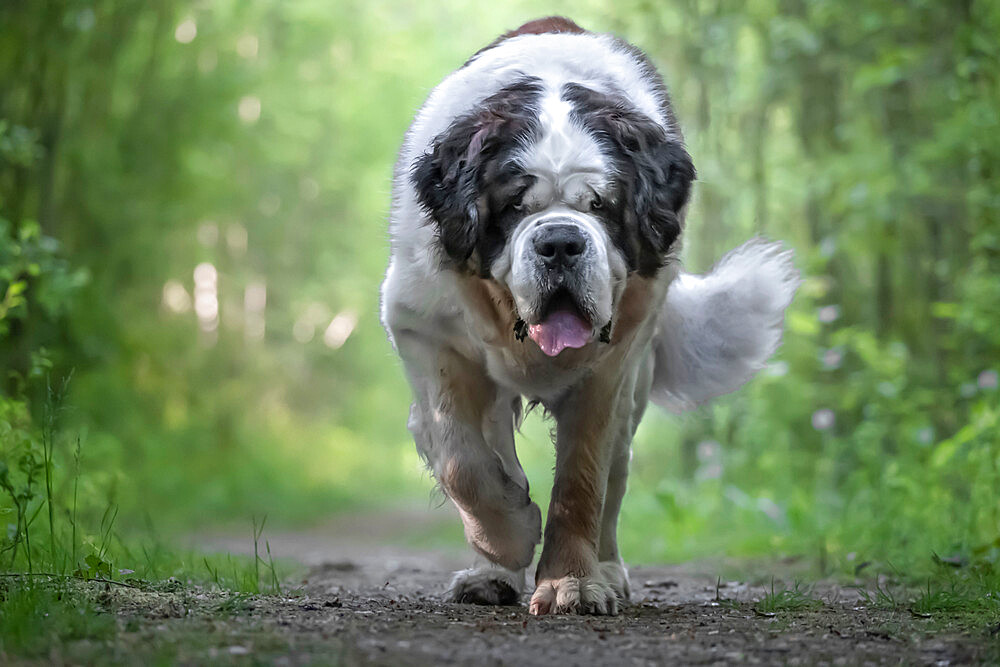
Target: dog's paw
pixel 614 572
pixel 486 585
pixel 574 595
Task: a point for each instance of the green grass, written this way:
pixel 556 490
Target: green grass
pixel 797 598
pixel 37 615
pixel 965 594
pixel 880 597
pixel 45 610
pixel 953 597
pixel 59 555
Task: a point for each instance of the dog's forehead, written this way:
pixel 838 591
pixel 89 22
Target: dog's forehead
pixel 565 154
pixel 554 58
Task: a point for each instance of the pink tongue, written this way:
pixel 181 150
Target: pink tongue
pixel 560 330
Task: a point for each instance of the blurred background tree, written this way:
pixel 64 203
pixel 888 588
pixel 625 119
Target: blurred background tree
pixel 193 200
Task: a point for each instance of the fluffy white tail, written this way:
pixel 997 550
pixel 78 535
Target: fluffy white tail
pixel 718 329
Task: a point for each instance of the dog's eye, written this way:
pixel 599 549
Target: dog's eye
pixel 517 203
pixel 597 203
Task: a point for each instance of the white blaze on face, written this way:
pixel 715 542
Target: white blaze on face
pixel 566 157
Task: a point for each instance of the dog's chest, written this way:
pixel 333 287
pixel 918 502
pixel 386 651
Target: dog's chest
pixel 529 373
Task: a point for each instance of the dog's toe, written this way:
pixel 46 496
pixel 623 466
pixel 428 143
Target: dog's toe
pixel 572 595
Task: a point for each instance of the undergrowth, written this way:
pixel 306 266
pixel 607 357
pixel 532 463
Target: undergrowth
pixel 58 551
pixel 956 593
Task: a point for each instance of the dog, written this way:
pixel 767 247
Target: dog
pixel 538 204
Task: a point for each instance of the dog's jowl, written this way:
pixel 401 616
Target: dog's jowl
pixel 539 204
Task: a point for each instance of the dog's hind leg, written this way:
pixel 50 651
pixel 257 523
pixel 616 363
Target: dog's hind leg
pixel 611 565
pixel 463 424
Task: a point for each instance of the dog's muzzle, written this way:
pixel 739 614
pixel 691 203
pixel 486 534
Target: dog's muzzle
pixel 561 281
pixel 561 253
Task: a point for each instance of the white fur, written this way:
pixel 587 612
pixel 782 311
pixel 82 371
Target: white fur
pixel 716 330
pixel 565 149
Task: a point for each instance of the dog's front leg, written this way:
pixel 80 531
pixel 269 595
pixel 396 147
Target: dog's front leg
pixel 569 578
pixel 463 426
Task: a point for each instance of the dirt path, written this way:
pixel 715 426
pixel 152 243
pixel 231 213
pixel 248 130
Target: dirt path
pixel 366 601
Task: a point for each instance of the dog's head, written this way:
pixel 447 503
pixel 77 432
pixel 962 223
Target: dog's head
pixel 559 195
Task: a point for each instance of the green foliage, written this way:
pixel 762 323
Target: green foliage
pixel 248 579
pixel 54 535
pixel 36 289
pixel 956 594
pixel 961 588
pixel 849 130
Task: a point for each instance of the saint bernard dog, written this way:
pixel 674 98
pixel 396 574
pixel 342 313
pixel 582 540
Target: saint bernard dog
pixel 538 205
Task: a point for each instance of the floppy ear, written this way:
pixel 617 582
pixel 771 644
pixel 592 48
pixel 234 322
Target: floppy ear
pixel 660 171
pixel 668 179
pixel 448 177
pixel 446 181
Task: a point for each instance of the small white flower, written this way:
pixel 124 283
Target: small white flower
pixel 249 109
pixel 186 31
pixel 827 247
pixel 823 419
pixel 988 380
pixel 832 358
pixel 828 314
pixel 887 389
pixel 708 450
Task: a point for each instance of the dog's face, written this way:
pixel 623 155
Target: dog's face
pixel 558 196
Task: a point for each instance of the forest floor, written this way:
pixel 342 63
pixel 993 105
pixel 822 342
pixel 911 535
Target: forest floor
pixel 367 598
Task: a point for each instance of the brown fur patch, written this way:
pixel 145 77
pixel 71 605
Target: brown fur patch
pixel 634 308
pixel 583 449
pixel 495 313
pixel 460 482
pixel 470 391
pixel 582 461
pixel 542 26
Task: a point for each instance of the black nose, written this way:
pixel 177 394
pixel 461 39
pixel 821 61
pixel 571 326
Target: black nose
pixel 559 245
